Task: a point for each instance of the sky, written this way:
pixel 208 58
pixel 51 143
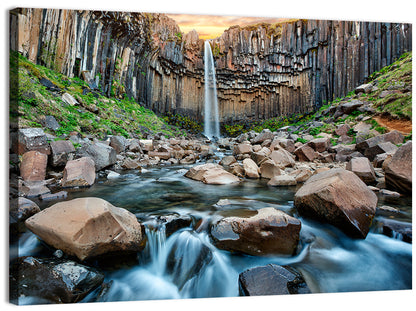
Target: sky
pixel 212 26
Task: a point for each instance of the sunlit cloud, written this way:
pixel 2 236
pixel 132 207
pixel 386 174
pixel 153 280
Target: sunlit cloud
pixel 212 26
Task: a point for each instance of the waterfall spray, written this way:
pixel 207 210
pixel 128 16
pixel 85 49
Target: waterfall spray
pixel 211 117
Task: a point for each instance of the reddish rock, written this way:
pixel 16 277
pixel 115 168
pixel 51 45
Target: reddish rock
pixel 31 139
pixel 342 129
pixel 362 168
pixel 266 134
pixel 305 153
pixel 237 170
pixel 87 227
pixel 79 173
pixel 263 232
pixel 320 144
pixel 33 166
pixel 398 171
pixel 340 198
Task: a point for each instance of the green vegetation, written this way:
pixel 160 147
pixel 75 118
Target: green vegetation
pixel 95 114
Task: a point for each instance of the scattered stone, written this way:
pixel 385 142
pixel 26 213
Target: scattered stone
pixel 228 160
pixel 131 164
pixel 379 160
pixel 282 158
pixel 119 143
pixel 243 149
pixel 251 169
pixel 135 146
pixel 237 170
pixel 160 155
pixel 33 166
pixel 362 168
pixel 271 280
pixel 87 227
pixel 50 123
pixel 266 231
pixel 305 153
pixel 57 280
pixel 79 173
pixel 103 155
pixel 320 144
pixel 364 88
pixel 340 198
pixel 32 189
pixel 62 152
pixel 55 196
pixel 69 99
pixel 269 169
pixel 398 171
pixel 264 135
pixel 282 180
pixel 344 139
pixel 147 144
pixel 49 85
pixel 301 175
pixel 347 108
pixel 29 139
pixel 374 189
pixel 211 174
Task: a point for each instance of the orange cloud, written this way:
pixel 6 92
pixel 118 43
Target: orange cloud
pixel 212 26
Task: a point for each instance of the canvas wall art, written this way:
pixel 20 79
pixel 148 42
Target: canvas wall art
pixel 174 156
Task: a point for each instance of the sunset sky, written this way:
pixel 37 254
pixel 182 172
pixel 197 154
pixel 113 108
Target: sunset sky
pixel 212 26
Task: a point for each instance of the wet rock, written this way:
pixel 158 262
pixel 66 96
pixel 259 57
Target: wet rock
pixel 282 158
pixel 251 169
pixel 397 229
pixel 79 173
pixel 29 139
pixel 54 196
pixel 119 143
pixel 362 168
pixel 174 223
pixel 282 180
pixel 398 172
pixel 211 174
pixel 340 198
pixel 113 175
pixel 57 280
pixel 22 208
pixel 271 280
pixel 33 166
pixel 87 227
pixel 269 169
pixel 268 231
pixel 62 152
pixel 228 160
pixel 305 154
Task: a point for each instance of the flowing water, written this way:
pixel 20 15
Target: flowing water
pixel 211 115
pixel 186 264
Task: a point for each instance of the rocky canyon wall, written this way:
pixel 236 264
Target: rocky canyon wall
pixel 263 71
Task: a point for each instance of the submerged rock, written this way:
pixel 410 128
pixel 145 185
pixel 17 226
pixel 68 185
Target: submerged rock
pixel 58 281
pixel 87 227
pixel 340 198
pixel 268 231
pixel 271 280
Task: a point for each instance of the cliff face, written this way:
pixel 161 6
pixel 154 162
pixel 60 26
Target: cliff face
pixel 262 71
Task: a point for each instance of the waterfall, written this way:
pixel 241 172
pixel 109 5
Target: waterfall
pixel 211 116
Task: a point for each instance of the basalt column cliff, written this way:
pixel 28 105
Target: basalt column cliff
pixel 263 71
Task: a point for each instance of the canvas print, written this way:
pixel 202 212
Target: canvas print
pixel 172 156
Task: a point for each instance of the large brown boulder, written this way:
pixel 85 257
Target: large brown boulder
pixel 79 173
pixel 282 158
pixel 211 173
pixel 243 149
pixel 269 169
pixel 320 144
pixel 305 153
pixel 340 198
pixel 398 171
pixel 33 166
pixel 262 232
pixel 87 227
pixel 362 167
pixel 251 169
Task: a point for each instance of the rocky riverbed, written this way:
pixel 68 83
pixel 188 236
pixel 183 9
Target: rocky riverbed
pixel 253 215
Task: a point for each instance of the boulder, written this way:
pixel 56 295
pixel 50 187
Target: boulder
pixel 265 231
pixel 282 158
pixel 62 152
pixel 271 280
pixel 342 129
pixel 135 146
pixel 347 108
pixel 54 196
pixel 32 189
pixel 370 144
pixel 130 164
pixel 282 180
pixel 305 153
pixel 160 155
pixel 33 166
pixel 287 144
pixel 364 88
pixel 119 143
pixel 211 173
pixel 228 160
pixel 301 175
pixel 362 167
pixel 269 169
pixel 397 229
pixel 53 279
pixel 243 149
pixel 69 99
pixel 251 169
pixel 398 172
pixel 50 122
pixel 345 139
pixel 22 208
pixel 264 135
pixel 320 144
pixel 339 197
pixel 147 144
pixel 31 139
pixel 385 147
pixel 102 155
pixel 237 170
pixel 87 227
pixel 174 223
pixel 79 173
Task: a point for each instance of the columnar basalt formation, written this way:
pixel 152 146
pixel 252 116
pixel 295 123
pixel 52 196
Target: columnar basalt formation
pixel 263 71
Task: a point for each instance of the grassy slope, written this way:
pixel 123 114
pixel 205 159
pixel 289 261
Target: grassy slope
pixel 97 116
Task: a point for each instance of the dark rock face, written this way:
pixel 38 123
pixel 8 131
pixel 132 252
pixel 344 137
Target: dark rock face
pixel 340 198
pixel 270 67
pixel 271 280
pixel 398 229
pixel 56 280
pixel 269 231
